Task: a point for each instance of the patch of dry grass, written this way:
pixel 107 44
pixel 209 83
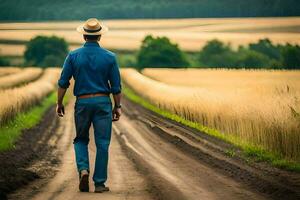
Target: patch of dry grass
pixel 19 99
pixel 259 107
pixel 24 76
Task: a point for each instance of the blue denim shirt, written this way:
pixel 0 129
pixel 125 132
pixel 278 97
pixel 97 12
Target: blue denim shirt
pixel 94 69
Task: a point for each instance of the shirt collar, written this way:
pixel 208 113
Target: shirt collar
pixel 91 44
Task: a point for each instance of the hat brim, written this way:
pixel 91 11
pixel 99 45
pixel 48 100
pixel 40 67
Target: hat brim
pixel 104 29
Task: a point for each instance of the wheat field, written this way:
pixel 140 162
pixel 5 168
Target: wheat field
pixel 190 34
pixel 9 70
pixel 18 99
pixel 24 76
pixel 265 81
pixel 259 107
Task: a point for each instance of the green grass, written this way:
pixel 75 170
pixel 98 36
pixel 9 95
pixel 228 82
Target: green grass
pixel 250 152
pixel 126 59
pixel 10 132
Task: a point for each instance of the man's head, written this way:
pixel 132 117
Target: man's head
pixel 92 30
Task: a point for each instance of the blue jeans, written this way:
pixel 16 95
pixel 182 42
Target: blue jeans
pixel 96 111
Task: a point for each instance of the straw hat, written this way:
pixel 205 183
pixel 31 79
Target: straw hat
pixel 92 27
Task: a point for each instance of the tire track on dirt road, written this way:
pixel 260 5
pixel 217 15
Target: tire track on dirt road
pixel 173 174
pixel 146 130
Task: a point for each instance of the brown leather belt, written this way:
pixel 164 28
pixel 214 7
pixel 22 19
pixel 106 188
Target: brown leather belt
pixel 91 95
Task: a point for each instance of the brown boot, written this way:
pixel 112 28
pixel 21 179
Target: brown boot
pixel 101 188
pixel 84 181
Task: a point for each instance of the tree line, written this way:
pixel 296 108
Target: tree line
pixel 32 10
pixel 160 52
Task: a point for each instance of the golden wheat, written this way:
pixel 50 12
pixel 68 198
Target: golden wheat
pixel 21 77
pixel 9 70
pixel 243 104
pixel 19 99
pixel 264 81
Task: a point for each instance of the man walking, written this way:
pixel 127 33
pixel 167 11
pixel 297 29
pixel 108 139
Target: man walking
pixel 96 74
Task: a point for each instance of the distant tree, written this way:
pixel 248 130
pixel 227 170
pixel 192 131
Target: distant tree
pixel 4 62
pixel 52 60
pixel 266 47
pixel 262 54
pixel 160 52
pixel 275 64
pixel 252 59
pixel 216 54
pixel 46 51
pixel 291 56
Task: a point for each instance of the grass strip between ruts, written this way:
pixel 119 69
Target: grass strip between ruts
pixel 250 151
pixel 11 131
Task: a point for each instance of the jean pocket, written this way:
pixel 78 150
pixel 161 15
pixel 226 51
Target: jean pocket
pixel 80 108
pixel 103 109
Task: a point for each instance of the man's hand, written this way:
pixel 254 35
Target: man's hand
pixel 60 110
pixel 116 113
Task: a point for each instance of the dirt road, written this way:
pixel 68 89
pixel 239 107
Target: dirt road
pixel 154 158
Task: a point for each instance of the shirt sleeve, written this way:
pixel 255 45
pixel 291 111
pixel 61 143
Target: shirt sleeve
pixel 115 78
pixel 66 73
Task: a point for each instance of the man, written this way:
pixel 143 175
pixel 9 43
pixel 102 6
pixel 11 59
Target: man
pixel 96 75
